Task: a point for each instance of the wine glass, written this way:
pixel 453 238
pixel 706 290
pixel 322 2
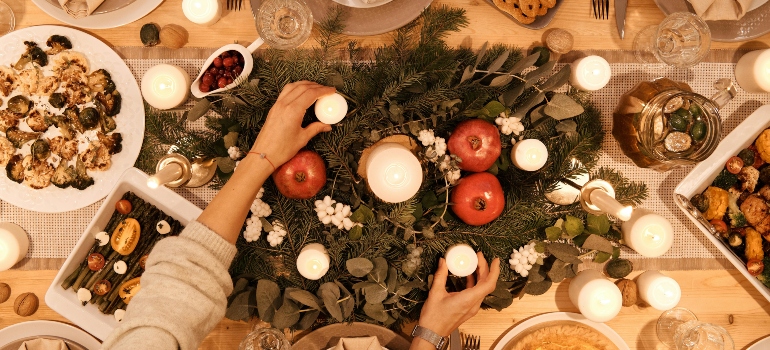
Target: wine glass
pixel 284 24
pixel 682 40
pixel 265 338
pixel 7 19
pixel 680 329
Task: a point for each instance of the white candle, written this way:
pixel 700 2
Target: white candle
pixel 461 260
pixel 590 73
pixel 529 155
pixel 331 109
pixel 313 261
pixel 170 172
pixel 165 86
pixel 203 12
pixel 597 298
pixel 393 172
pixel 753 71
pixel 649 234
pixel 658 290
pixel 13 245
pixel 610 205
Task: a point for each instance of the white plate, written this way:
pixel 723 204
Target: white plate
pixel 704 174
pixel 130 122
pixel 123 16
pixel 65 302
pixel 602 328
pixel 363 5
pixel 762 344
pixel 47 328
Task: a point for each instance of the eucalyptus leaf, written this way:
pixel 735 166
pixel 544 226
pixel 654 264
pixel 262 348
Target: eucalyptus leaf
pixel 200 109
pixel 553 233
pixel 231 139
pixel 601 257
pixel 380 270
pixel 480 55
pixel 239 308
pixel 564 252
pixel 510 96
pixel 598 224
pixel 308 319
pixel 330 294
pixel 558 271
pixel 376 312
pixel 415 128
pixel 305 298
pixel 287 315
pixel 524 63
pixel 266 225
pixel 240 285
pixel 362 215
pixel 536 273
pixel 268 299
pixel 498 62
pixel 562 107
pixel 359 267
pixel 362 285
pixel 375 294
pixel 596 242
pixel 534 76
pixel 538 288
pixel 468 73
pixel 501 80
pixel 558 79
pixel 537 114
pixel 392 280
pixel 226 164
pixel 528 104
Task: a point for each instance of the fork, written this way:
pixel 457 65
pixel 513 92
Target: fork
pixel 236 5
pixel 601 9
pixel 471 342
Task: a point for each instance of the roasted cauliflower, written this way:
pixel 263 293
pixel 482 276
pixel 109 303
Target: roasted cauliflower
pixel 718 200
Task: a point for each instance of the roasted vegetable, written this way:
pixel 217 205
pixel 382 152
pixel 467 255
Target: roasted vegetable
pixel 756 211
pixel 150 34
pixel 737 220
pixel 64 126
pixel 15 168
pixel 748 177
pixel 33 54
pixel 110 102
pixel 700 202
pixel 735 240
pixel 763 145
pixel 754 245
pixel 40 149
pixel 747 156
pixel 8 119
pixel 725 180
pixel 89 118
pixel 112 142
pixel 7 150
pixel 64 175
pixel 82 180
pixel 20 138
pixel 58 43
pixel 19 105
pixel 100 81
pixel 57 100
pixel 71 116
pixel 718 200
pixel 764 277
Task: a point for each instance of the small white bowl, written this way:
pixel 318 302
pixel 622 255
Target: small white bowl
pixel 248 66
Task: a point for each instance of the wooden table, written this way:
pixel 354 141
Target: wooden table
pixel 721 297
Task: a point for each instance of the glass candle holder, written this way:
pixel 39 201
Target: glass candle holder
pixel 7 19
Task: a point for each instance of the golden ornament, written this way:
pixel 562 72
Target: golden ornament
pixel 560 41
pixel 26 304
pixel 173 36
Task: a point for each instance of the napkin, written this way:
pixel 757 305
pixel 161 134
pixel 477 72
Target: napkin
pixel 44 344
pixel 80 8
pixel 368 343
pixel 715 10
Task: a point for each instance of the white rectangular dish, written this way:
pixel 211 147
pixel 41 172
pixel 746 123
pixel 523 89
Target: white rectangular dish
pixel 65 302
pixel 704 174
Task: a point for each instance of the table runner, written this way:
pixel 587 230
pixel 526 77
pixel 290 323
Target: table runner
pixel 52 236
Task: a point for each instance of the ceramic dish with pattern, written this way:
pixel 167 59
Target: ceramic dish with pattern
pixel 130 122
pixel 117 17
pixel 328 337
pixel 362 3
pixel 73 336
pixel 753 25
pixel 540 21
pixel 561 326
pixel 106 7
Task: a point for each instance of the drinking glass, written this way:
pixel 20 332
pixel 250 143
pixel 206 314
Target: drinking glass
pixel 284 24
pixel 263 338
pixel 682 40
pixel 680 329
pixel 7 19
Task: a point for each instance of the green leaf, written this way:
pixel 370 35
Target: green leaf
pixel 308 320
pixel 557 80
pixel 304 297
pixel 287 315
pixel 538 288
pixel 380 270
pixel 553 233
pixel 510 96
pixel 566 126
pixel 355 233
pixel 200 109
pixel 362 215
pixel 534 76
pixel 375 294
pixel 493 109
pixel 418 212
pixel 501 80
pixel 330 294
pixel 524 63
pixel 359 267
pixel 231 139
pixel 581 238
pixel 498 62
pixel 429 200
pixel 226 164
pixel 562 107
pixel 239 308
pixel 268 299
pixel 601 257
pixel 573 226
pixel 615 252
pixel 376 312
pixel 599 243
pixel 528 104
pixel 598 224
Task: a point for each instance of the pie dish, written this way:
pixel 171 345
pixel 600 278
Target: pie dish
pixel 560 330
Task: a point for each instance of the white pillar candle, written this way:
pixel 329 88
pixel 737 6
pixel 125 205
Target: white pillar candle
pixel 203 12
pixel 658 290
pixel 313 261
pixel 649 234
pixel 393 172
pixel 610 205
pixel 331 109
pixel 13 245
pixel 461 260
pixel 165 86
pixel 753 71
pixel 529 155
pixel 169 173
pixel 597 298
pixel 590 73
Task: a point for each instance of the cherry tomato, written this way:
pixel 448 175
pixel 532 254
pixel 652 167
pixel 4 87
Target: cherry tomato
pixel 95 261
pixel 102 287
pixel 734 165
pixel 755 267
pixel 720 227
pixel 123 206
pixel 143 261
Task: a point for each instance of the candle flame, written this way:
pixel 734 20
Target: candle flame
pixel 396 175
pixel 625 213
pixel 153 182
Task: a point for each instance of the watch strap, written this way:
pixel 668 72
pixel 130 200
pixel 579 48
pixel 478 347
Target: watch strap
pixel 429 336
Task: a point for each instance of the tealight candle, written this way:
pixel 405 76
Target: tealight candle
pixel 461 260
pixel 590 73
pixel 597 298
pixel 608 204
pixel 313 261
pixel 649 234
pixel 658 290
pixel 203 12
pixel 165 86
pixel 13 245
pixel 393 172
pixel 331 109
pixel 529 155
pixel 753 71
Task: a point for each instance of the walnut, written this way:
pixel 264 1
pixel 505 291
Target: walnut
pixel 5 292
pixel 173 36
pixel 26 304
pixel 628 290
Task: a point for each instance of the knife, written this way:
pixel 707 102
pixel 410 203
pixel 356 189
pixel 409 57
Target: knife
pixel 620 16
pixel 454 340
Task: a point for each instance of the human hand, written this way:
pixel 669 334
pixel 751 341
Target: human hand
pixel 282 136
pixel 443 312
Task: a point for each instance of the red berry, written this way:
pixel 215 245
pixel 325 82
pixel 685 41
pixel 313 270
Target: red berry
pixel 217 62
pixel 238 70
pixel 204 87
pixel 213 70
pixel 225 54
pixel 222 82
pixel 228 62
pixel 229 81
pixel 208 79
pixel 221 71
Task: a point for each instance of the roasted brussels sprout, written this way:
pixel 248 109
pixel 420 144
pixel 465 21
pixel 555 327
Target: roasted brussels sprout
pixel 15 168
pixel 112 142
pixel 89 118
pixel 100 80
pixel 19 105
pixel 71 117
pixel 20 138
pixel 110 102
pixel 58 43
pixel 150 34
pixel 82 180
pixel 33 54
pixel 41 149
pixel 64 176
pixel 57 100
pixel 735 240
pixel 700 202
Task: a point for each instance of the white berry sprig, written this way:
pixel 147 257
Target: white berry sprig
pixel 275 237
pixel 259 209
pixel 522 260
pixel 452 172
pixel 234 152
pixel 253 229
pixel 337 214
pixel 509 125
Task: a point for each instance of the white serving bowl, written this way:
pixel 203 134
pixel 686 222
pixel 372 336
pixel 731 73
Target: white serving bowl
pixel 66 302
pixel 248 66
pixel 704 174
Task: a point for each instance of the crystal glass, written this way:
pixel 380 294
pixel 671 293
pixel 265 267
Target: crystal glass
pixel 263 338
pixel 682 40
pixel 680 329
pixel 7 19
pixel 284 24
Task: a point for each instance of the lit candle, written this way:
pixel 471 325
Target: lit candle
pixel 590 73
pixel 165 86
pixel 169 173
pixel 203 12
pixel 529 155
pixel 753 71
pixel 331 109
pixel 649 234
pixel 313 261
pixel 393 172
pixel 461 260
pixel 608 204
pixel 13 245
pixel 597 298
pixel 658 290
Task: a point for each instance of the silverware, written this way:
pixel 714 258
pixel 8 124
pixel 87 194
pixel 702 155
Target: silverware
pixel 235 5
pixel 620 16
pixel 471 342
pixel 601 9
pixel 455 343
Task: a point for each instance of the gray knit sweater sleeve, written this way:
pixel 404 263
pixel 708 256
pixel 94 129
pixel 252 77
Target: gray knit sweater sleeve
pixel 183 296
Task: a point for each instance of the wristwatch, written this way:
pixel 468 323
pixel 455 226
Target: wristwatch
pixel 429 336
